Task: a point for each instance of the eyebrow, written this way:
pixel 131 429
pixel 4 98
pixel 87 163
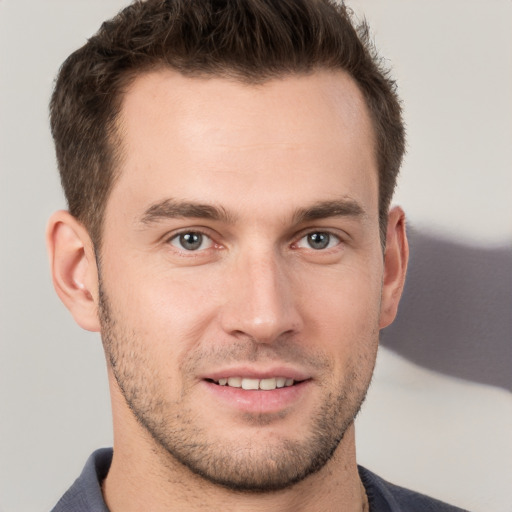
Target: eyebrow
pixel 171 209
pixel 345 207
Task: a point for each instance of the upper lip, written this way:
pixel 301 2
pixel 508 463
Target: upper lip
pixel 249 372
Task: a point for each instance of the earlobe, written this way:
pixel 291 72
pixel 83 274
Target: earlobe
pixel 73 268
pixel 395 266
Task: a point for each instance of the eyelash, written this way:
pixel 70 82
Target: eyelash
pixel 195 252
pixel 331 236
pixel 176 236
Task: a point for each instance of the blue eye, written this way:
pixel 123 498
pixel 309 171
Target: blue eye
pixel 191 241
pixel 318 240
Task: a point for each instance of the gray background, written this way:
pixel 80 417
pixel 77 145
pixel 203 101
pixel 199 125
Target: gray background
pixel 421 427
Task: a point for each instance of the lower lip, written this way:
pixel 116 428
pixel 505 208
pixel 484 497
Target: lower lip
pixel 258 401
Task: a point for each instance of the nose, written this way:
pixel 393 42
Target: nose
pixel 261 301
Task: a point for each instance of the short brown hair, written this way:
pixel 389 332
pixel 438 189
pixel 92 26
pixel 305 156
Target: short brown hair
pixel 249 40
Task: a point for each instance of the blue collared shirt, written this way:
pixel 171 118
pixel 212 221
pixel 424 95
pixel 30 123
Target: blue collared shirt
pixel 85 494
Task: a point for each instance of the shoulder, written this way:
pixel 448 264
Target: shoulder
pixel 85 494
pixel 384 496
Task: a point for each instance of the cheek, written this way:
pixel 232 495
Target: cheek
pixel 170 305
pixel 342 306
pixel 157 322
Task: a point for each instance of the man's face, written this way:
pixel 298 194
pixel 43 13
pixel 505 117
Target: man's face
pixel 241 250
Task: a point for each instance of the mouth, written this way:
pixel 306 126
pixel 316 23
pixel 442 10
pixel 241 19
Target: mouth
pixel 266 384
pixel 257 391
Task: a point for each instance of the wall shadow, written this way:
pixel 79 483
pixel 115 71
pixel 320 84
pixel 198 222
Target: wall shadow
pixel 456 312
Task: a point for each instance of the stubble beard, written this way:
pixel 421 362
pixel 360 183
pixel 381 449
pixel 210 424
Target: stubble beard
pixel 249 467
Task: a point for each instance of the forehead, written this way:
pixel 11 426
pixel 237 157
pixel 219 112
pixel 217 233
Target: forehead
pixel 298 136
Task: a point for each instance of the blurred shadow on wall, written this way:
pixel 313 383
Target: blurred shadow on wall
pixel 456 312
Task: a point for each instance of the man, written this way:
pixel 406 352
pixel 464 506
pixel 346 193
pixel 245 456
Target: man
pixel 229 168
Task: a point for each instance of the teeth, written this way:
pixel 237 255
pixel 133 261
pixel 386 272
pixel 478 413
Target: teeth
pixel 250 383
pixel 235 382
pixel 264 384
pixel 268 384
pixel 280 382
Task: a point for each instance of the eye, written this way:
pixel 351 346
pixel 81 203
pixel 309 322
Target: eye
pixel 318 240
pixel 191 241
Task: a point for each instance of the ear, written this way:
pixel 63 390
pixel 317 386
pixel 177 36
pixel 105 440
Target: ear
pixel 396 257
pixel 73 267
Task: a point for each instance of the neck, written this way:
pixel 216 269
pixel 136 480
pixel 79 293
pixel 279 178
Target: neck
pixel 145 477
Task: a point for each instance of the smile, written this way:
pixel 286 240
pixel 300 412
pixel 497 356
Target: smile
pixel 255 384
pixel 269 392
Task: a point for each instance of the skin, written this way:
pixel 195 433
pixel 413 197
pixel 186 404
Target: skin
pixel 254 170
